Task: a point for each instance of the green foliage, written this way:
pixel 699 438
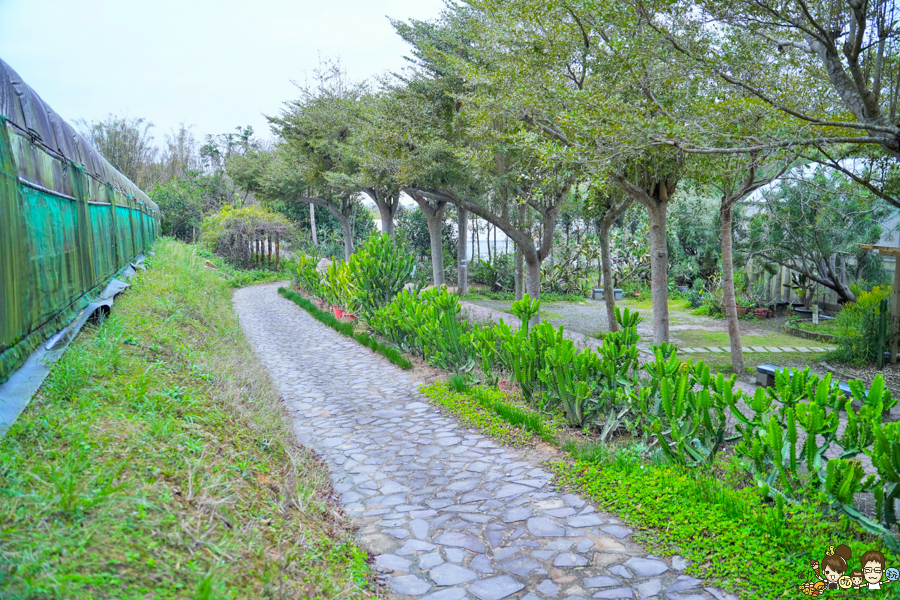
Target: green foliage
pixel 813 220
pixel 236 277
pixel 412 229
pixel 760 546
pixel 490 411
pixel 346 328
pixel 242 235
pixel 857 329
pixel 497 273
pixel 181 205
pixel 526 309
pixel 573 268
pixel 694 231
pixel 307 275
pixel 378 271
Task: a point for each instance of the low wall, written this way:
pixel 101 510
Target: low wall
pixel 809 335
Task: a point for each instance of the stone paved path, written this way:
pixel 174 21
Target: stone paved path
pixel 450 514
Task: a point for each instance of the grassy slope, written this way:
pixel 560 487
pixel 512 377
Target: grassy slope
pixel 157 462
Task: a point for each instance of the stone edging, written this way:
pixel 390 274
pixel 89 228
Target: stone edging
pixel 809 335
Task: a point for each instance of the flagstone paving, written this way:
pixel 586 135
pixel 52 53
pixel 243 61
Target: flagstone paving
pixel 449 513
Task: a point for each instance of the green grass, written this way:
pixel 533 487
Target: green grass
pixel 699 338
pixel 546 297
pixel 827 327
pixel 346 328
pixel 235 277
pixel 157 462
pixel 721 362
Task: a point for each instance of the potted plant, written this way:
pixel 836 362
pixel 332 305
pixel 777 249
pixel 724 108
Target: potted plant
pixel 338 311
pixel 745 304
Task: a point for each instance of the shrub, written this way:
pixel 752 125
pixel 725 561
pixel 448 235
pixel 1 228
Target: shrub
pixel 245 236
pixel 499 274
pixel 857 325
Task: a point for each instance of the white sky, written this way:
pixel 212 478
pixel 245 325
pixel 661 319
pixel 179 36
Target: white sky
pixel 212 64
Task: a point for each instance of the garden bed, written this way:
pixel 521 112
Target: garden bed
pixel 809 335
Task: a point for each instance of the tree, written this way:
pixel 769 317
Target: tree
pixel 312 162
pixel 741 182
pixel 607 206
pixel 813 222
pixel 126 142
pixel 832 67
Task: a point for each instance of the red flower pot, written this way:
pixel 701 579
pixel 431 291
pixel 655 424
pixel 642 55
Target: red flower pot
pixel 338 312
pixel 349 317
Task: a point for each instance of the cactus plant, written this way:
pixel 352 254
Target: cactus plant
pixel 526 309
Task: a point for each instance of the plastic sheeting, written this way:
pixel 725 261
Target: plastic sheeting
pixel 69 222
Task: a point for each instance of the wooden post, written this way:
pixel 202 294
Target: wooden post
pixel 278 251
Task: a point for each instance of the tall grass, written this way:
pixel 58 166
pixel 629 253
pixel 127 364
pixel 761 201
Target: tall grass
pixel 157 461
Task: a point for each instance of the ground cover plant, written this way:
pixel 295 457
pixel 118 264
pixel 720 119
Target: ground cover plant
pixel 157 461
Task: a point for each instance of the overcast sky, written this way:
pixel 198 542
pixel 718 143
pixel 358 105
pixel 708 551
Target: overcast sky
pixel 212 64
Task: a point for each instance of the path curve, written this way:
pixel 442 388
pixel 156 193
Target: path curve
pixel 449 513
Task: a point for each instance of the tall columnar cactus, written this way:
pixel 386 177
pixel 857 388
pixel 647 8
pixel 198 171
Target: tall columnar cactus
pixel 885 454
pixel 485 339
pixel 570 377
pixel 526 309
pixel 691 425
pixel 815 421
pixel 877 396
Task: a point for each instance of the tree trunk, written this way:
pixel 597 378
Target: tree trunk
pixel 462 263
pixel 609 295
pixel 473 257
pixel 495 242
pixel 533 281
pixel 520 258
pixel 659 267
pixel 277 252
pixel 477 240
pixel 312 225
pixel 731 317
pixel 387 219
pixel 348 237
pixel 437 248
pixel 520 272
